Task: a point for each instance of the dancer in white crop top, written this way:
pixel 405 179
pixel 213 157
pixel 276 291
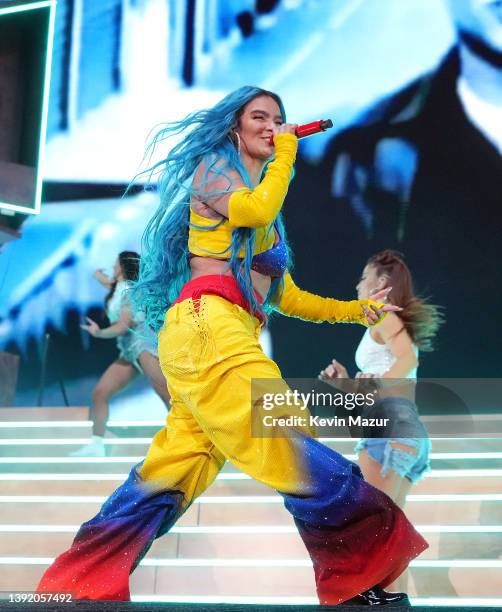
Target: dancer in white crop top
pixel 375 357
pixel 390 351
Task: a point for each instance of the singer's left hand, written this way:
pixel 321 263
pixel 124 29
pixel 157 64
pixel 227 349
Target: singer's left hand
pixel 374 314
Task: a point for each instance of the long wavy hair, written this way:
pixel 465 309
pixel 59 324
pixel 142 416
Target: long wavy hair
pixel 164 265
pixel 420 318
pixel 129 264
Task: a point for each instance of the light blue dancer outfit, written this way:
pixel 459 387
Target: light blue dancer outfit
pixel 140 338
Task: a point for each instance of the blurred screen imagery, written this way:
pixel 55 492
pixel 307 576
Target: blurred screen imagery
pixel 413 162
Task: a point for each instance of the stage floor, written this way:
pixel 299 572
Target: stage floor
pixel 236 545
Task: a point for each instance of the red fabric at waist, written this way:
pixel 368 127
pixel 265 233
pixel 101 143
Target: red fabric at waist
pixel 217 284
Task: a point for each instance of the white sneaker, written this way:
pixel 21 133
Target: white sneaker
pixel 95 448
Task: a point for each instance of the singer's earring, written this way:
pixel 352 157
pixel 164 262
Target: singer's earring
pixel 238 142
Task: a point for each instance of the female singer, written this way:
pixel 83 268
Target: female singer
pixel 216 258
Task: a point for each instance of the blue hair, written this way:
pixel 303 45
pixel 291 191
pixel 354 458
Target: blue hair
pixel 164 265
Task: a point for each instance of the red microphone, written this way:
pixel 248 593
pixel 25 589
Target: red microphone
pixel 310 128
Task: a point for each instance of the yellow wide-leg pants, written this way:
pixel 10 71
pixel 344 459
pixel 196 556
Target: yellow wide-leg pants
pixel 210 354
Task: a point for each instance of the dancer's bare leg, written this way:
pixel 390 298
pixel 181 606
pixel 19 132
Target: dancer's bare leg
pixel 115 378
pixel 151 368
pixel 389 484
pixel 401 584
pixel 395 486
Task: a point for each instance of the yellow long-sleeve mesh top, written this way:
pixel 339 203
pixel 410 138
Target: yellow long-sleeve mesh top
pixel 257 208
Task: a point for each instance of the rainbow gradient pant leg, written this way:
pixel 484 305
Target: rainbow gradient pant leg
pixel 209 351
pixel 108 548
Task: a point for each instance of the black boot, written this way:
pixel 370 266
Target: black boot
pixel 378 597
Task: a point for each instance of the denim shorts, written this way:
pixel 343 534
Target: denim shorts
pixel 407 465
pixel 405 428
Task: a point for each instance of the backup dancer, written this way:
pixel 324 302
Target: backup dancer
pixel 216 259
pixel 396 456
pixel 136 344
pixel 392 463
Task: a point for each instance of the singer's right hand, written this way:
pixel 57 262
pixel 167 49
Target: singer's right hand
pixel 286 128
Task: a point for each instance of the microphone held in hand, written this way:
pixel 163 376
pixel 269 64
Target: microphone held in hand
pixel 310 128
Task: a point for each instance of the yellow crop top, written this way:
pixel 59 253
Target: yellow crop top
pixel 258 209
pixel 254 208
pixel 215 243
